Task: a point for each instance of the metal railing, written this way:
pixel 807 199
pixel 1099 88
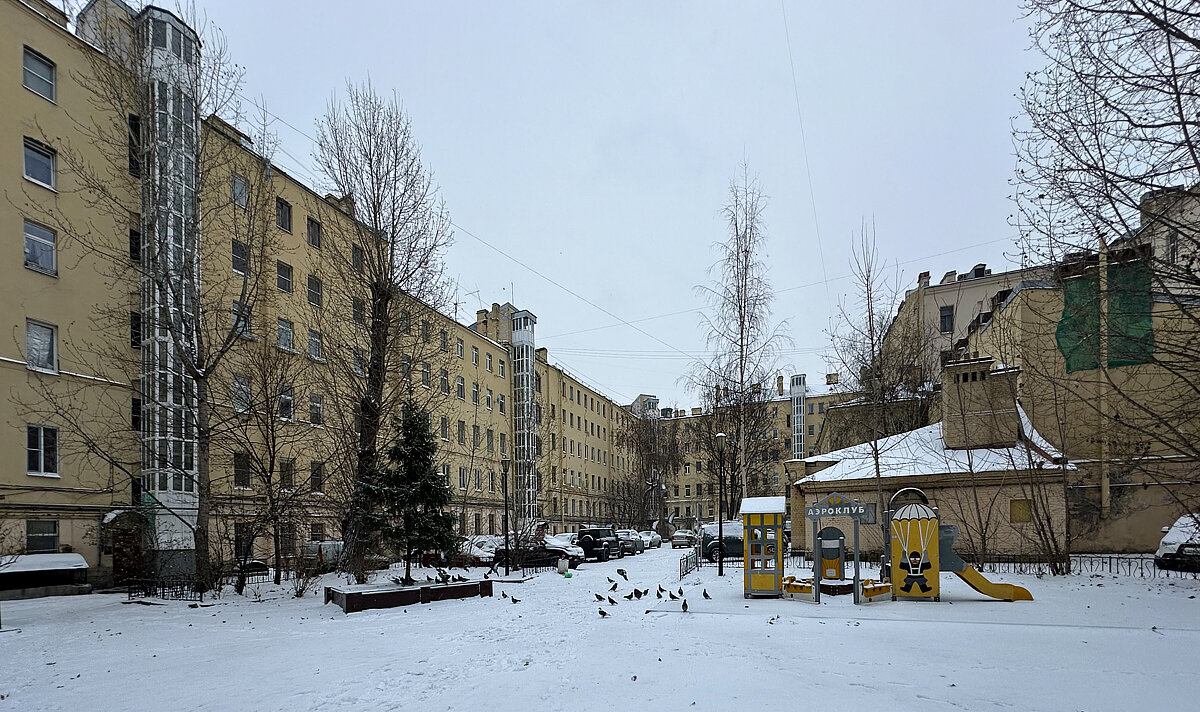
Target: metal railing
pixel 167 589
pixel 689 563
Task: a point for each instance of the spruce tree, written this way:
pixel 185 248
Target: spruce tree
pixel 413 495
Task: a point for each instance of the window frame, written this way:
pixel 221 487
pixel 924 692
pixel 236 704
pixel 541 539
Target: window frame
pixel 309 232
pixel 41 469
pixel 30 52
pixel 244 257
pixel 319 291
pixel 45 151
pixel 283 209
pixel 285 326
pixel 316 409
pixel 39 239
pixel 280 280
pixel 53 367
pixel 239 198
pixel 56 535
pixel 318 339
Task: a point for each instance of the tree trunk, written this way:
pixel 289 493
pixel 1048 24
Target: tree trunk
pixel 203 485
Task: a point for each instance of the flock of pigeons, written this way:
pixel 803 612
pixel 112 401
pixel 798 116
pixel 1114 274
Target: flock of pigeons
pixel 638 594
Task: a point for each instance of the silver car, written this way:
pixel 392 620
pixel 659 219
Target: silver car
pixel 652 539
pixel 683 538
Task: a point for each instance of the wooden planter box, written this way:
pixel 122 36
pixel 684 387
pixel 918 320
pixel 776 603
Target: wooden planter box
pixel 352 599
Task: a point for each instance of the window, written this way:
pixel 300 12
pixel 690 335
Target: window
pixel 283 214
pixel 445 340
pixel 360 360
pixel 460 388
pixel 488 361
pixel 425 331
pixel 475 437
pixel 405 322
pixel 316 476
pixel 241 257
pixel 39 74
pixel 1020 511
pixel 462 432
pixel 241 320
pixel 446 471
pixel 475 393
pixel 41 450
pixel 287 402
pixel 811 431
pixel 41 346
pixel 487 399
pixel 135 415
pixel 501 404
pixel 241 393
pixel 444 382
pixel 135 245
pixel 445 428
pixel 821 407
pixel 458 347
pixel 41 536
pixel 478 482
pixel 491 440
pixel 312 230
pixel 287 473
pixel 39 163
pixel 462 478
pixel 946 319
pixel 503 443
pixel 316 408
pixel 40 252
pixel 1172 255
pixel 474 355
pixel 135 330
pixel 316 532
pixel 283 276
pixel 241 469
pixel 491 481
pixel 239 191
pixel 357 258
pixel 316 347
pixel 287 337
pixel 358 311
pixel 314 291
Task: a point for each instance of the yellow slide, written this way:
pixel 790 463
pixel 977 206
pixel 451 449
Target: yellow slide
pixel 1002 591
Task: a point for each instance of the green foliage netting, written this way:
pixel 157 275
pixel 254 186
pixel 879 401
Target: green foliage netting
pixel 1130 323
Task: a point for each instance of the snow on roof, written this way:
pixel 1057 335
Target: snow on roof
pixel 923 452
pixel 45 562
pixel 764 505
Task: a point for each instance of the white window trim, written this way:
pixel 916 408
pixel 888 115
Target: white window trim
pixel 52 81
pixel 53 344
pixel 42 449
pixel 49 152
pixel 53 271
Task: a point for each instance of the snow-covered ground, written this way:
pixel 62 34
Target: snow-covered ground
pixel 1083 644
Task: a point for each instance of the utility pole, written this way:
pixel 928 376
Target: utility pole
pixel 504 461
pixel 720 437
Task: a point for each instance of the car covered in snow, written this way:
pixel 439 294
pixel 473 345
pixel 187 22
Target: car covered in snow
pixel 631 541
pixel 474 554
pixel 652 539
pixel 564 543
pixel 1180 545
pixel 600 543
pixel 683 538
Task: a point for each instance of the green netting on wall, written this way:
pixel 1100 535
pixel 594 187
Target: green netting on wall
pixel 1130 324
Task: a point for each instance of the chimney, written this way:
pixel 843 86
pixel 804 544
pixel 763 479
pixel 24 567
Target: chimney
pixel 779 385
pixel 697 411
pixel 923 279
pixel 52 13
pixel 542 355
pixel 949 277
pixel 831 379
pixel 481 321
pixel 979 406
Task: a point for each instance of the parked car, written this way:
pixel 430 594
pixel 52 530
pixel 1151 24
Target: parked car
pixel 631 541
pixel 547 553
pixel 652 539
pixel 474 554
pixel 600 543
pixel 731 544
pixel 1180 545
pixel 563 543
pixel 683 538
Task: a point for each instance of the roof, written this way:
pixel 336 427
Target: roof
pixel 45 562
pixel 764 505
pixel 923 452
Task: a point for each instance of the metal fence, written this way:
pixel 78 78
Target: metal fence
pixel 689 563
pixel 168 589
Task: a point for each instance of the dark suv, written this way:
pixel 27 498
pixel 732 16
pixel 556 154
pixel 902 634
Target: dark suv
pixel 600 543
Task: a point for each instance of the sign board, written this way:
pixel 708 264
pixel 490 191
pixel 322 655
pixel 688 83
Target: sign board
pixel 839 505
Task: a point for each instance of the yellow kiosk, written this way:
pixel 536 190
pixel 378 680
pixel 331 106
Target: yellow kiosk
pixel 762 529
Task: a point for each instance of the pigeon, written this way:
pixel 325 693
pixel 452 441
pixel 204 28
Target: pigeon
pixel 611 602
pixel 706 596
pixel 429 579
pixel 622 574
pixel 612 587
pixel 628 598
pixel 659 593
pixel 681 590
pixel 603 613
pixel 487 574
pixel 611 579
pixel 638 593
pixel 661 589
pixel 514 599
pixel 673 596
pixel 504 594
pixel 598 597
pixel 685 605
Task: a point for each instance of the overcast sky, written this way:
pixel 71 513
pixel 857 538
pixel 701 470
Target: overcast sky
pixel 594 142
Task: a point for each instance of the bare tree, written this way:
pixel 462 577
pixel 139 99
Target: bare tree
pixel 1106 185
pixel 392 250
pixel 740 335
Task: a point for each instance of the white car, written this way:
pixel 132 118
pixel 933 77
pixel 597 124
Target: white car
pixel 652 539
pixel 1180 545
pixel 564 541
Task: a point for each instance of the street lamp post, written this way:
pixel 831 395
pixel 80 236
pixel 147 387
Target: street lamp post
pixel 720 438
pixel 508 554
